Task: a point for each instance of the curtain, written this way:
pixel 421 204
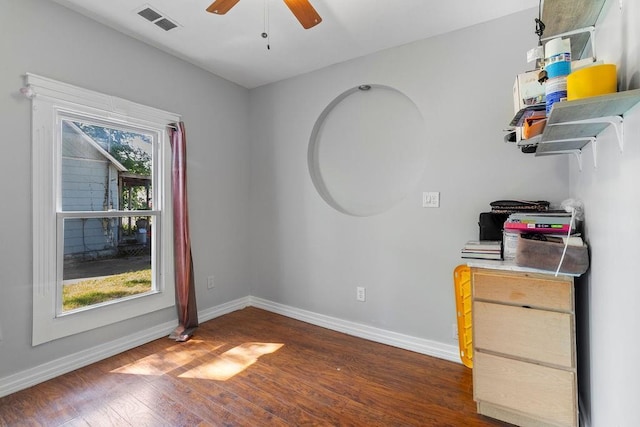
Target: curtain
pixel 184 281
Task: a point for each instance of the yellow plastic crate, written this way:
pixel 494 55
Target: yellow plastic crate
pixel 462 286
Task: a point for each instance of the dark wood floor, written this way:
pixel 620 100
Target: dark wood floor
pixel 254 368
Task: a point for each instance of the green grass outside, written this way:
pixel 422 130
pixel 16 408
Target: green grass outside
pixel 94 291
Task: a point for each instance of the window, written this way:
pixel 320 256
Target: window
pixel 107 188
pixel 102 237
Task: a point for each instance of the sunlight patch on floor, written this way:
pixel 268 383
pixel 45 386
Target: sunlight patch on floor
pixel 169 359
pixel 232 362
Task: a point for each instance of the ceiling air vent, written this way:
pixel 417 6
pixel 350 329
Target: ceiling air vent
pixel 150 14
pixel 156 17
pixel 165 24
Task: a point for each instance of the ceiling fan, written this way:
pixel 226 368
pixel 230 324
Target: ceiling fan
pixel 302 9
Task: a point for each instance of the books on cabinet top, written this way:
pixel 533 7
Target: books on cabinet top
pixel 540 222
pixel 474 255
pixel 482 249
pixel 483 245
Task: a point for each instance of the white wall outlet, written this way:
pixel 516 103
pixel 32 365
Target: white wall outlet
pixel 361 294
pixel 431 199
pixel 210 282
pixel 454 331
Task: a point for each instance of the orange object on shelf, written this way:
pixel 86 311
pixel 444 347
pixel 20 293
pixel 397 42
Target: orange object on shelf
pixel 462 286
pixel 533 126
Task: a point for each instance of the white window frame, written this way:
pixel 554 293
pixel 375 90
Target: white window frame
pixel 50 100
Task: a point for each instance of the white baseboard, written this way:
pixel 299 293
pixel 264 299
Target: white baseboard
pixel 406 342
pixel 54 368
pixel 227 307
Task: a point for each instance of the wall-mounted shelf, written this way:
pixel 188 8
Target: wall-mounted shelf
pixel 572 125
pixel 562 17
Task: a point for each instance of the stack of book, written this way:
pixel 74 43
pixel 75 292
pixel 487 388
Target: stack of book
pixel 482 249
pixel 555 222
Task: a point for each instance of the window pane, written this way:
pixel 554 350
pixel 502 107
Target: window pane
pixel 104 261
pixel 105 168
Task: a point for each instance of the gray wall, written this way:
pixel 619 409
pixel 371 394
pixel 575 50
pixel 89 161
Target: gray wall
pixel 308 255
pixel 44 38
pixel 304 253
pixel 609 294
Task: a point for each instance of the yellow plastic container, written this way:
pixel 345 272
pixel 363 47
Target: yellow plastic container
pixel 462 286
pixel 592 81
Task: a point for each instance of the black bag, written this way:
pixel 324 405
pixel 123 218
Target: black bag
pixel 492 225
pixel 511 206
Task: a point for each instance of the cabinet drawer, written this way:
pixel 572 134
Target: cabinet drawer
pixel 537 335
pixel 539 391
pixel 532 290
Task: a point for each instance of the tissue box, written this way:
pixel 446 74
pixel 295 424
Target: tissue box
pixel 527 90
pixel 546 255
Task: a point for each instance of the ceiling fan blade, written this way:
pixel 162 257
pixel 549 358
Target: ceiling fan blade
pixel 220 7
pixel 304 12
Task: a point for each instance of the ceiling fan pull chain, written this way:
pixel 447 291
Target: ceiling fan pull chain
pixel 265 32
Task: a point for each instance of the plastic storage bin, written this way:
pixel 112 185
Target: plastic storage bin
pixel 462 286
pixel 546 255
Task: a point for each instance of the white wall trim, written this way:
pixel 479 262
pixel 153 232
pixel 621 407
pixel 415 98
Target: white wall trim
pixel 219 310
pixel 53 103
pixel 406 342
pixel 57 367
pixel 54 368
pixel 116 108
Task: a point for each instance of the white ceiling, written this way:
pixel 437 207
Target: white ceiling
pixel 231 45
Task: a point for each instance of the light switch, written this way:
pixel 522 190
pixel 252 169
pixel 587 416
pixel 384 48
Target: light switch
pixel 431 199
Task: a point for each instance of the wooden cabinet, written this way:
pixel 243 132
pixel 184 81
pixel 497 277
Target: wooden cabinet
pixel 524 350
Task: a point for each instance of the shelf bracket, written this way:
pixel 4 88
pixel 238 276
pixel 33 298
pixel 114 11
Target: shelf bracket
pixel 590 29
pixel 578 154
pixel 576 151
pixel 618 124
pixel 615 121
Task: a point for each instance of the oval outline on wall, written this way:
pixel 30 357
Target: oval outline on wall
pixel 401 174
